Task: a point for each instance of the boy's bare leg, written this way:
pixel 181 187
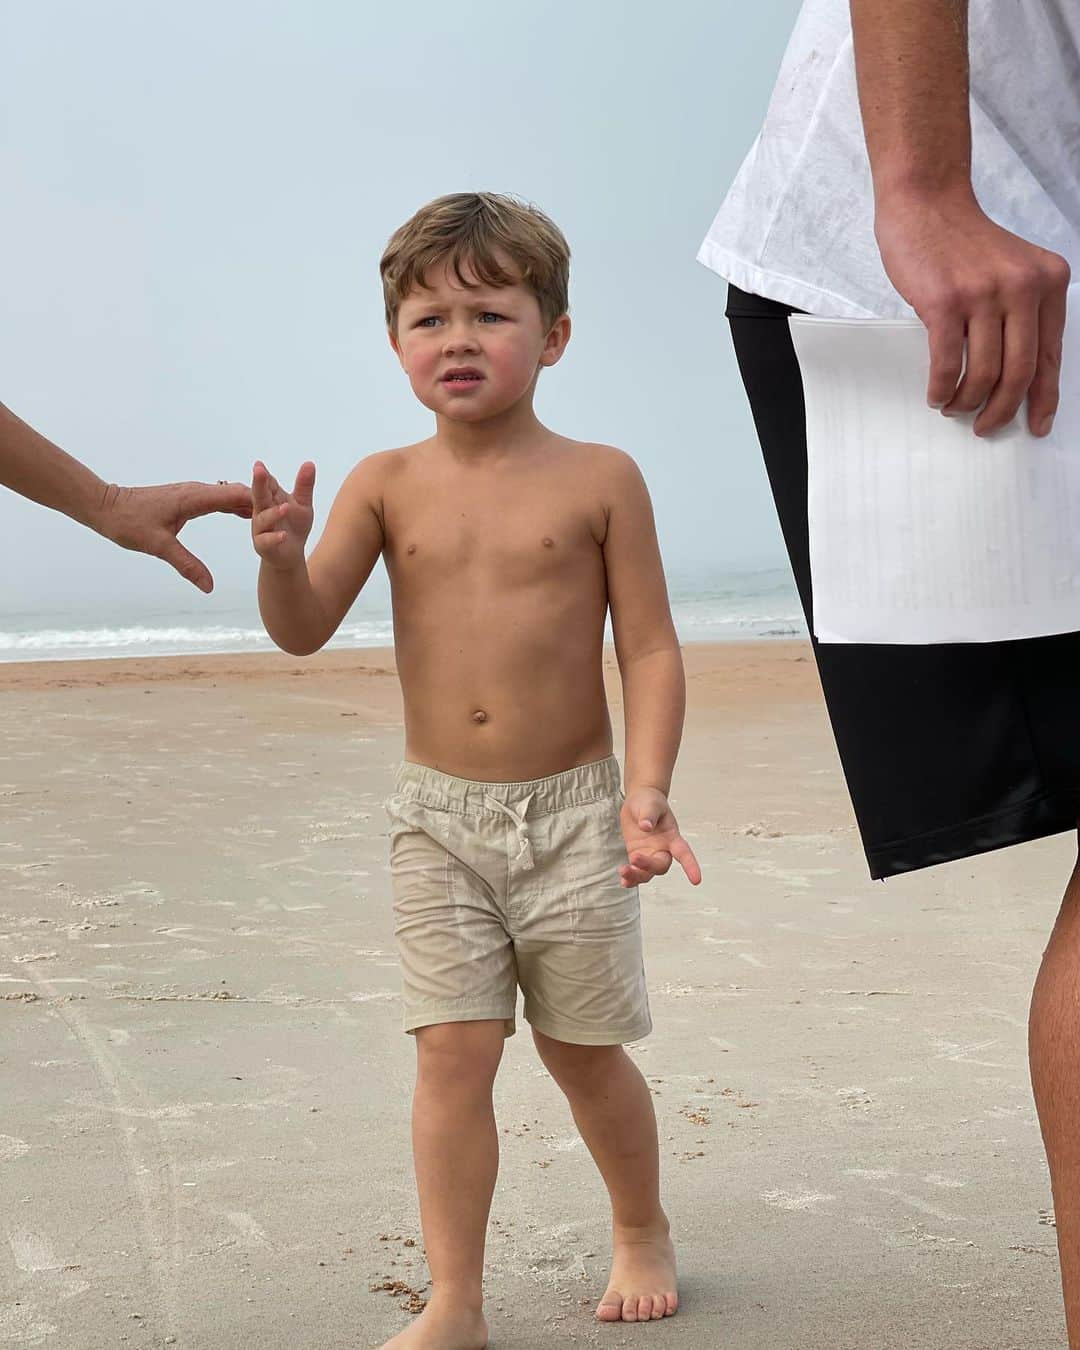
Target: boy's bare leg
pixel 1054 1043
pixel 456 1157
pixel 613 1109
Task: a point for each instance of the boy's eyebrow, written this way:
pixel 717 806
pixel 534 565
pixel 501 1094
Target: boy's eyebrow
pixel 474 299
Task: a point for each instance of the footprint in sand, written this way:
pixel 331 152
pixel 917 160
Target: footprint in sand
pixel 796 1200
pixel 10 1147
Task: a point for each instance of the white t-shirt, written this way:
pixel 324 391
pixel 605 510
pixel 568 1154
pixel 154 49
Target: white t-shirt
pixel 798 222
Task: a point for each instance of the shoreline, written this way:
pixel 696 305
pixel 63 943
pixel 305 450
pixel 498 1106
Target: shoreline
pixel 379 649
pixel 65 672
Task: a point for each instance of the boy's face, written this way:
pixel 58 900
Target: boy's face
pixel 471 352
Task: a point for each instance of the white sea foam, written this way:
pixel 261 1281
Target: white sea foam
pixel 76 643
pixel 759 604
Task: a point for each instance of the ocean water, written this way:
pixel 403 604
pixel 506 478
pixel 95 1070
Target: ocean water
pixel 705 607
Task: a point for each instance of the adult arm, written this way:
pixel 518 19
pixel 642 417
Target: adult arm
pixel 967 279
pixel 147 519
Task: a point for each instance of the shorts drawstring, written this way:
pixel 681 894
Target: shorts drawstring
pixel 525 853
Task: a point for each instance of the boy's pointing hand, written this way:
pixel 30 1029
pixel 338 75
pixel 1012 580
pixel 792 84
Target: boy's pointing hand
pixel 653 840
pixel 281 521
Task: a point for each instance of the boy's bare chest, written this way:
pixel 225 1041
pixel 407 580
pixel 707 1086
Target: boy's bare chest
pixel 518 540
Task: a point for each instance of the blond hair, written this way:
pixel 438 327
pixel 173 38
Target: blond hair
pixel 484 230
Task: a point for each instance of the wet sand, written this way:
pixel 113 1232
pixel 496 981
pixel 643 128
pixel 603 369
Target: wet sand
pixel 204 1091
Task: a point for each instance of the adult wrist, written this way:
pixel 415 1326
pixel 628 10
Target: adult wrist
pixel 97 506
pixel 912 190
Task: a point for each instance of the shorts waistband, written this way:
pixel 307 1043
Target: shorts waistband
pixel 584 783
pixel 747 305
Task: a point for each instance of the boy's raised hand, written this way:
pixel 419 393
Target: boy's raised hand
pixel 653 840
pixel 281 521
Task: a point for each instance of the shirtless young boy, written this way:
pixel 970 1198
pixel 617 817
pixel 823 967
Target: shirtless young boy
pixel 515 857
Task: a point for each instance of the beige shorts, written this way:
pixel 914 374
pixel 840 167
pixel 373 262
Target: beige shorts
pixel 501 884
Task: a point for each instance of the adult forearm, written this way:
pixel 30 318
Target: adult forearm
pixel 654 699
pixel 290 609
pixel 36 468
pixel 911 64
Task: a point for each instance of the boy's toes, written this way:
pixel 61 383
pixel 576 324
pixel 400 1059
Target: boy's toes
pixel 613 1307
pixel 610 1307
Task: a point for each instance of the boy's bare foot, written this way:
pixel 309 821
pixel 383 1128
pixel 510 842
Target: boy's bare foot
pixel 443 1325
pixel 642 1284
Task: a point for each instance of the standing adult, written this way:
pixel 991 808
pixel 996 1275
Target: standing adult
pixel 147 519
pixel 923 159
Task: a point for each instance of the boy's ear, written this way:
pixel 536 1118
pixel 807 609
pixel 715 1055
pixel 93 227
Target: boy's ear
pixel 396 345
pixel 556 340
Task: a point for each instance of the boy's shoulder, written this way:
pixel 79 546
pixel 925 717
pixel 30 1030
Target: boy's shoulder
pixel 387 461
pixel 375 470
pixel 599 456
pixel 604 467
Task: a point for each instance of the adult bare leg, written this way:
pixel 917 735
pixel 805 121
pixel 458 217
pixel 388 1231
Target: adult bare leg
pixel 1054 1046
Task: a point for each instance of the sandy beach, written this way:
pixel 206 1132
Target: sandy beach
pixel 205 1091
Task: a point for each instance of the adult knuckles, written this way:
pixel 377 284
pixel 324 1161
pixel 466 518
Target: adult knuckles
pixel 1057 271
pixel 1013 285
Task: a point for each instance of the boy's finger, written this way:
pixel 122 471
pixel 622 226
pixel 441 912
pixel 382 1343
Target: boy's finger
pixel 266 543
pixel 305 483
pixel 263 484
pixel 260 486
pixel 682 851
pixel 656 864
pixel 270 519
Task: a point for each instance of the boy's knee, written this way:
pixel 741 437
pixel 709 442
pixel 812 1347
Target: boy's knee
pixel 460 1051
pixel 576 1065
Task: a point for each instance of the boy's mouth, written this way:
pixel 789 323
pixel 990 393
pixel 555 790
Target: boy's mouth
pixel 463 376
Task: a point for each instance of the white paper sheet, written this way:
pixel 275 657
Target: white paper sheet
pixel 921 531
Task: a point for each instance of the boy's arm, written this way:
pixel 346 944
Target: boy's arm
pixel 654 684
pixel 654 687
pixel 303 603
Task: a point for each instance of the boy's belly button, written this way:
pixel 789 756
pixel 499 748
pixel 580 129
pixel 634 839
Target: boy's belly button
pixel 479 715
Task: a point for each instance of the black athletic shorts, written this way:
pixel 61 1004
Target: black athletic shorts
pixel 948 750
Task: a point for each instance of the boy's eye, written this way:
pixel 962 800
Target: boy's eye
pixel 488 314
pixel 429 322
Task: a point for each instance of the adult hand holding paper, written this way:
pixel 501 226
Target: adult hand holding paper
pixel 919 532
pixel 993 305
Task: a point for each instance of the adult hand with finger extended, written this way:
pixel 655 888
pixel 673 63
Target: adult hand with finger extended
pixel 281 521
pixel 149 519
pixel 653 839
pixel 992 302
pixel 145 519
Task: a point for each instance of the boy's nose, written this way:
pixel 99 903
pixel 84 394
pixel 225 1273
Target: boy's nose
pixel 459 342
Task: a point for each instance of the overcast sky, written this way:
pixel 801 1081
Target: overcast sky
pixel 195 198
